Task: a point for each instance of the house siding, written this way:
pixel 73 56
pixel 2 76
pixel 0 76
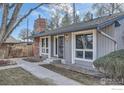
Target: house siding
pixel 119 35
pixel 104 44
pixel 67 48
pixel 84 64
pixel 52 46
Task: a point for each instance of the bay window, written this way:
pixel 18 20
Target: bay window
pixel 84 46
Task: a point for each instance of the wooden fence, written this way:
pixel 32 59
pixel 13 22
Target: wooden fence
pixel 16 50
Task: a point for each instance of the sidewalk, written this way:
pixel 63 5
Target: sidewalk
pixel 42 73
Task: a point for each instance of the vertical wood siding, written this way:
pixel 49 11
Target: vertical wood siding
pixel 68 49
pixel 119 35
pixel 105 45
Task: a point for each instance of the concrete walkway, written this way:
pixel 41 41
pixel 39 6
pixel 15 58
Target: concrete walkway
pixel 44 73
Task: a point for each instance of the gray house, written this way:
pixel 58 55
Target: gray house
pixel 80 43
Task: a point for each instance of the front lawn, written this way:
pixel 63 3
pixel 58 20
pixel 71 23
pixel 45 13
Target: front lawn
pixel 18 76
pixel 82 78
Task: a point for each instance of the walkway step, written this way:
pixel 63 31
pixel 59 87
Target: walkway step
pixel 43 73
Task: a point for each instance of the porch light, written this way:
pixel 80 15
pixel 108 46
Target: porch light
pixel 66 37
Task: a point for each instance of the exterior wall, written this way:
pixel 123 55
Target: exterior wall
pixel 68 48
pixel 36 46
pixel 84 64
pixel 44 56
pixel 39 26
pixel 52 46
pixel 119 35
pixel 105 45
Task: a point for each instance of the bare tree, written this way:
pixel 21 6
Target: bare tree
pixel 66 20
pixel 11 12
pixel 107 8
pixel 88 16
pixel 23 34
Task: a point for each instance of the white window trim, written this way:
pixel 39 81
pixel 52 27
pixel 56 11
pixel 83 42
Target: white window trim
pixel 55 46
pixel 49 46
pixel 74 43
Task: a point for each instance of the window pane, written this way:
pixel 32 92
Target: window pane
pixel 43 50
pixel 46 42
pixel 79 41
pixel 88 55
pixel 88 41
pixel 46 50
pixel 79 54
pixel 43 42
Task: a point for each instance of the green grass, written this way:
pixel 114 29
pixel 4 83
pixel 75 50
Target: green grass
pixel 18 76
pixel 82 78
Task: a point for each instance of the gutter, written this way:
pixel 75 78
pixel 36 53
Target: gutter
pixel 108 36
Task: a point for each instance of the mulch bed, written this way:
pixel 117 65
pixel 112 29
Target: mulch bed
pixel 80 77
pixel 33 59
pixel 7 62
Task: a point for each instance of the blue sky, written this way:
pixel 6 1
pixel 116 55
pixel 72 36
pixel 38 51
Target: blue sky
pixel 81 7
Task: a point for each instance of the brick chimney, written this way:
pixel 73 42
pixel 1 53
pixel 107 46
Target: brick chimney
pixel 39 26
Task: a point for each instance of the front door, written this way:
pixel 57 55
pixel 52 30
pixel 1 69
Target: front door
pixel 60 46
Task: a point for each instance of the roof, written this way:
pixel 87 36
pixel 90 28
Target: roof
pixel 11 39
pixel 99 22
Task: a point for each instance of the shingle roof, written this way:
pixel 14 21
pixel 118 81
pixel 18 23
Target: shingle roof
pixel 100 22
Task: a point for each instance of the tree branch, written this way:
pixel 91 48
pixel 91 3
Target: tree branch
pixel 12 5
pixel 14 16
pixel 4 20
pixel 19 21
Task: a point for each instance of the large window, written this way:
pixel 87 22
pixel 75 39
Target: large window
pixel 84 46
pixel 44 46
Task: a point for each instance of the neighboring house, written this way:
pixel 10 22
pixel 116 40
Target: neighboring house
pixel 80 43
pixel 4 48
pixel 11 40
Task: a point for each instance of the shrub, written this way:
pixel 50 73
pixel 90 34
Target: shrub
pixel 112 65
pixel 3 62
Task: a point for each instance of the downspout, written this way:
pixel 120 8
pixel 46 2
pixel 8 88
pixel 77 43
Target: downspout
pixel 109 37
